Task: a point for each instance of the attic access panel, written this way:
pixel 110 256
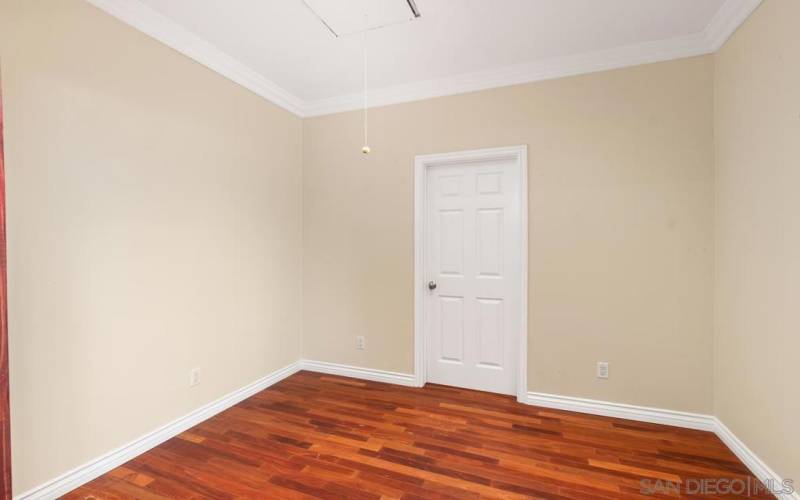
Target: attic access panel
pixel 348 17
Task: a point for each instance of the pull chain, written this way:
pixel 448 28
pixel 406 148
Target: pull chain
pixel 366 149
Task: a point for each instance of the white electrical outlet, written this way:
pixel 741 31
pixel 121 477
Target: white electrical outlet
pixel 602 369
pixel 194 377
pixel 360 344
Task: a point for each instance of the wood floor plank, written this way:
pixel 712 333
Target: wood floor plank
pixel 323 436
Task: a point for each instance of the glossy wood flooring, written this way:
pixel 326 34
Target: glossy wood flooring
pixel 320 436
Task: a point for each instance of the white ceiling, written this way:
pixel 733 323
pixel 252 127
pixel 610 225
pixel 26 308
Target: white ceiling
pixel 282 51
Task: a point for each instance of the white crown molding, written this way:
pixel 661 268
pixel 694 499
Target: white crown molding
pixel 757 466
pixel 727 20
pixel 548 69
pixel 619 410
pixel 724 23
pixel 358 372
pixel 68 481
pixel 170 33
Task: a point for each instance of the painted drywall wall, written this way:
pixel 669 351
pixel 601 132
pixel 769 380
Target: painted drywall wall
pixel 621 240
pixel 757 127
pixel 154 225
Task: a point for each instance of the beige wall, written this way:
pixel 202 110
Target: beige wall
pixel 621 240
pixel 157 215
pixel 757 342
pixel 154 225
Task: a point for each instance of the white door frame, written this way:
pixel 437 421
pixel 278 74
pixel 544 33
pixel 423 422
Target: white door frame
pixel 422 164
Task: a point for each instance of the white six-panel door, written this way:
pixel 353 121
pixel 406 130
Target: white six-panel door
pixel 472 259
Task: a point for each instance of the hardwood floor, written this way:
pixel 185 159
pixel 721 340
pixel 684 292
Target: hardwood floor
pixel 321 436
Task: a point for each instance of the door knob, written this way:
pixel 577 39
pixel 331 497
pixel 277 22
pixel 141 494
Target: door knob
pixel 431 285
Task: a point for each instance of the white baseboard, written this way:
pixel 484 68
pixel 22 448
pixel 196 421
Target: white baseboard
pixel 620 410
pixel 757 466
pixel 667 417
pixel 687 420
pixel 67 482
pixel 358 372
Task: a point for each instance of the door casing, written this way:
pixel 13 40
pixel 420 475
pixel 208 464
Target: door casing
pixel 422 165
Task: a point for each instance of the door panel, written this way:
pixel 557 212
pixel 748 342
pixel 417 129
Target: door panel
pixel 489 183
pixel 451 239
pixel 489 242
pixel 452 329
pixel 490 333
pixel 472 251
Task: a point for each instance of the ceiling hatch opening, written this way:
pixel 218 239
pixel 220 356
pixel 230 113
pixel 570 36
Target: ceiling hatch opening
pixel 349 17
